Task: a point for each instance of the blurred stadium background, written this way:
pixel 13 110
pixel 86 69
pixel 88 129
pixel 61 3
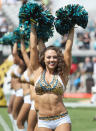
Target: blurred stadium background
pixel 79 94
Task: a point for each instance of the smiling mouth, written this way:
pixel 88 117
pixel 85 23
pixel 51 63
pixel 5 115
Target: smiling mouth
pixel 52 64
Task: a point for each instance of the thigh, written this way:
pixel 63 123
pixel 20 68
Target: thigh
pixel 32 120
pixel 18 103
pixel 17 106
pixel 44 129
pixel 64 127
pixel 11 101
pixel 23 114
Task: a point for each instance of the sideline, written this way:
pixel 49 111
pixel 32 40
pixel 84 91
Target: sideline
pixel 4 124
pixel 80 104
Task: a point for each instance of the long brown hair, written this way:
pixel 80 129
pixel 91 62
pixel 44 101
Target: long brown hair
pixel 61 64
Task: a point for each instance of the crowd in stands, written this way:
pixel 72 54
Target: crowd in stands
pixel 83 75
pixel 3 24
pixel 85 39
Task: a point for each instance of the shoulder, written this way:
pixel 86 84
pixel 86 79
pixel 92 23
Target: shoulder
pixel 37 73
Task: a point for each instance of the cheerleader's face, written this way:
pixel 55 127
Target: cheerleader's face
pixel 51 59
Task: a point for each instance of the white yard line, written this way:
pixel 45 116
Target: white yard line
pixel 78 104
pixel 4 124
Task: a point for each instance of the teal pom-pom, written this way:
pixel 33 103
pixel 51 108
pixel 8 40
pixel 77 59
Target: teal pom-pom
pixel 24 13
pixel 8 38
pixel 44 21
pixel 25 30
pixel 80 16
pixel 21 32
pixel 16 35
pixel 26 43
pixel 69 16
pixel 35 11
pixel 45 26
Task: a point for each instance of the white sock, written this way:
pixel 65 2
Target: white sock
pixel 13 125
pixel 21 129
pixel 15 121
pixel 25 125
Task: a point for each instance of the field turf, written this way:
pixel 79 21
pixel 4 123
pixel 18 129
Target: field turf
pixel 82 118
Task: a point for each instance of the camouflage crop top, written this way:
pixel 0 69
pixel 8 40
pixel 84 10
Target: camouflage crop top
pixel 56 86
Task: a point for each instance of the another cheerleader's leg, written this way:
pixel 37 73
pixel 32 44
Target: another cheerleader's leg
pixel 17 105
pixel 32 118
pixel 10 107
pixel 11 101
pixel 23 114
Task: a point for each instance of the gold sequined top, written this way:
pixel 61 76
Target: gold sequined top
pixel 56 86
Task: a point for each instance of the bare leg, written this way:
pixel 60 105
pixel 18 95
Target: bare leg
pixel 23 115
pixel 10 108
pixel 11 101
pixel 32 120
pixel 17 106
pixel 36 127
pixel 44 129
pixel 64 127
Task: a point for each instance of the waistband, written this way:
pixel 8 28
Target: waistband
pixel 53 117
pixel 18 89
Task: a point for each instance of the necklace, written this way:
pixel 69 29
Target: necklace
pixel 49 86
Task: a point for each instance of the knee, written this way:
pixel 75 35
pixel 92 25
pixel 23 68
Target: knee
pixel 31 126
pixel 20 124
pixel 14 115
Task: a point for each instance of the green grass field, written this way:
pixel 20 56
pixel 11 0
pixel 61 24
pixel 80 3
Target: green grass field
pixel 4 115
pixel 82 119
pixel 74 99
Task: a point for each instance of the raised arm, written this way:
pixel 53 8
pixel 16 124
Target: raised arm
pixel 34 57
pixel 67 51
pixel 24 53
pixel 15 54
pixel 40 46
pixel 16 58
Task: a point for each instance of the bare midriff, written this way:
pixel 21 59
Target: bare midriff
pixel 16 83
pixel 51 105
pixel 26 88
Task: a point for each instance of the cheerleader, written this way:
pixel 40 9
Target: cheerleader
pixel 16 84
pixel 50 79
pixel 23 114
